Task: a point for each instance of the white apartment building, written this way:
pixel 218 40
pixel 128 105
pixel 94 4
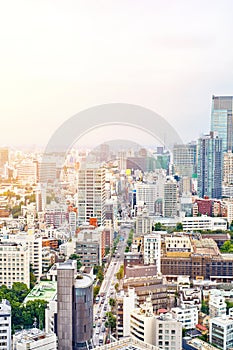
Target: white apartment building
pixel 14 263
pixel 34 244
pixel 204 223
pixel 221 332
pixel 228 168
pixel 152 250
pixel 230 212
pixel 142 323
pixel 146 194
pixel 129 304
pixel 5 325
pixel 168 334
pixel 34 339
pixel 217 304
pixel 187 315
pixel 91 196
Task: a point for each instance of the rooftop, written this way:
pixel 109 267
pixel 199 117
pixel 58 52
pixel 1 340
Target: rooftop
pixel 45 290
pixel 128 343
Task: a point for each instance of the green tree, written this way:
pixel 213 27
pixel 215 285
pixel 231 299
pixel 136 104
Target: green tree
pixel 227 247
pixel 112 302
pixel 120 273
pixel 205 307
pixel 116 286
pixel 111 321
pixel 158 226
pixel 179 226
pixel 96 290
pixel 77 258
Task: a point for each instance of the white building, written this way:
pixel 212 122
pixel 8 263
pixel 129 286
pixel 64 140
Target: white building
pixel 34 244
pixel 50 312
pixel 129 304
pixel 14 263
pixel 221 332
pixel 187 315
pixel 146 194
pixel 152 250
pixel 91 194
pixel 204 223
pixel 217 304
pixel 142 323
pixel 34 339
pixel 143 223
pixel 5 325
pixel 168 334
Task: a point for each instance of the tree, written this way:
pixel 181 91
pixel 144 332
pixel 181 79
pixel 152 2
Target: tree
pixel 120 273
pixel 227 247
pixel 96 291
pixel 116 286
pixel 112 302
pixel 111 321
pixel 205 307
pixel 179 226
pixel 158 226
pixel 77 258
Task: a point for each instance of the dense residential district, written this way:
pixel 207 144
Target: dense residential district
pixel 125 248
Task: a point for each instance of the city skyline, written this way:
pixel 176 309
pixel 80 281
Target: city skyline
pixel 59 59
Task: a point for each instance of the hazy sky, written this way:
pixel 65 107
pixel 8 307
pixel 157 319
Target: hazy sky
pixel 59 57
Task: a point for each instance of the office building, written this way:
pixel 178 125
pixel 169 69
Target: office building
pixel 222 120
pixel 5 325
pixel 14 263
pixel 221 332
pixel 74 307
pixel 209 169
pixel 146 196
pixel 170 197
pixel 228 168
pixel 143 223
pixel 184 159
pixel 27 171
pixel 89 247
pixel 91 194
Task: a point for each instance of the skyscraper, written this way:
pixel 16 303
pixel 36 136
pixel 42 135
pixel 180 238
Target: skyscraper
pixel 91 193
pixel 222 120
pixel 74 307
pixel 210 166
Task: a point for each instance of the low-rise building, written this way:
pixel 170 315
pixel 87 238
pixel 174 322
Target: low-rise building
pixel 187 315
pixel 217 304
pixel 34 339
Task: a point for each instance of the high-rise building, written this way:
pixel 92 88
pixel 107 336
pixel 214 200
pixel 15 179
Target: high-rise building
pixel 146 195
pixel 5 325
pixel 210 166
pixel 4 155
pixel 184 159
pixel 91 194
pixel 74 307
pixel 170 199
pixel 228 168
pixel 222 120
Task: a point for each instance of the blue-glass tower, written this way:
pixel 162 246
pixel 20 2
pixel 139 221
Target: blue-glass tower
pixel 209 168
pixel 222 120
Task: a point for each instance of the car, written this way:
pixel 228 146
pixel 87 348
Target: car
pixel 96 317
pixel 97 331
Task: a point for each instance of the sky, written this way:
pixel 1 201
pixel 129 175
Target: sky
pixel 61 57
